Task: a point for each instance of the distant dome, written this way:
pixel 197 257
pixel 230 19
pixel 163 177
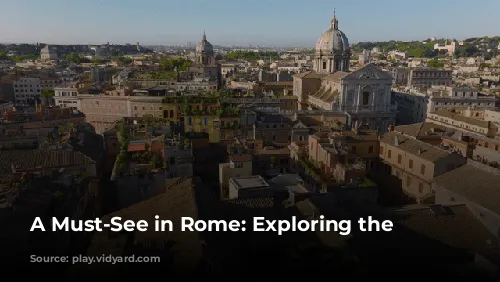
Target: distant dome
pixel 333 40
pixel 204 46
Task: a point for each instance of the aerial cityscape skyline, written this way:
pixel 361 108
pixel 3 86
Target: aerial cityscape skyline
pixel 281 140
pixel 267 23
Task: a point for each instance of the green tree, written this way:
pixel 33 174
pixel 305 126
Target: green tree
pixel 122 60
pixel 187 143
pixel 99 61
pixel 26 57
pixel 413 48
pixel 273 162
pixel 76 58
pixel 47 95
pixel 434 63
pixel 219 112
pixel 471 50
pixel 186 109
pixel 174 64
pixel 157 161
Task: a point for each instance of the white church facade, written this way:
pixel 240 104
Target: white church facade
pixel 363 95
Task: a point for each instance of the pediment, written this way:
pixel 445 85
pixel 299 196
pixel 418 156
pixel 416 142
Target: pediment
pixel 299 125
pixel 369 71
pixel 368 74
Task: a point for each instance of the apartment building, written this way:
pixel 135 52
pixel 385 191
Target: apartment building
pixel 477 125
pixel 273 129
pixel 66 97
pixel 456 120
pixel 492 115
pixel 427 77
pixel 145 106
pixel 38 123
pixel 5 106
pixel 305 84
pixel 400 76
pixel 239 165
pixel 412 106
pixel 347 155
pixel 103 111
pixel 411 165
pixel 18 164
pixel 197 85
pixel 29 88
pixel 179 159
pixel 458 98
pixel 438 135
pixel 26 89
pixel 288 103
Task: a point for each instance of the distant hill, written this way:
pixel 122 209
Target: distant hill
pixel 425 48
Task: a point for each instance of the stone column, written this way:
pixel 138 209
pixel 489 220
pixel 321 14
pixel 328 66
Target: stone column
pixel 358 97
pixel 343 95
pixel 374 94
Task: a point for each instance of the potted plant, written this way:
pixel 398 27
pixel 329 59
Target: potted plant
pixel 273 162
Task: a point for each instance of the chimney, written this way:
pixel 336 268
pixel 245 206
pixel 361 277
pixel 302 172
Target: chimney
pixel 391 127
pixel 396 141
pixel 419 151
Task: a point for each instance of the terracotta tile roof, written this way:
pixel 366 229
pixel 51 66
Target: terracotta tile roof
pixel 309 121
pixel 458 228
pixel 46 158
pixel 309 74
pixel 461 118
pixel 240 158
pixel 136 147
pixel 178 201
pixel 423 129
pixel 337 76
pixel 280 151
pixel 478 186
pixel 282 83
pixel 301 75
pixel 415 147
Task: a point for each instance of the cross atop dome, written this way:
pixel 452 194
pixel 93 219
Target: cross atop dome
pixel 204 38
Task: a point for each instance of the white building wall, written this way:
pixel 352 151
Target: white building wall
pixel 26 88
pixel 66 97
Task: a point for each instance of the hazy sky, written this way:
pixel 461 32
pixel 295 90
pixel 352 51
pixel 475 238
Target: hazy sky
pixel 227 22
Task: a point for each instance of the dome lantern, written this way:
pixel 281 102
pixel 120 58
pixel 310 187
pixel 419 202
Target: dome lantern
pixel 333 52
pixel 333 40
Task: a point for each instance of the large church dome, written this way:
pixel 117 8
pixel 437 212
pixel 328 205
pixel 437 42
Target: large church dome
pixel 204 46
pixel 333 40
